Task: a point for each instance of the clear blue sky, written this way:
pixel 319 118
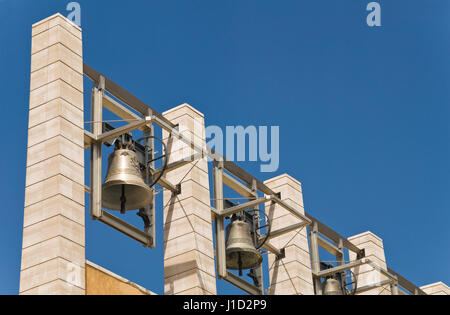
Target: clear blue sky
pixel 363 112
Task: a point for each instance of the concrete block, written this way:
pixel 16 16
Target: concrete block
pixel 189 206
pixel 189 280
pixel 53 128
pixel 55 146
pixel 56 71
pixel 54 20
pixel 187 243
pixel 55 35
pixel 57 287
pixel 56 89
pixel 51 249
pixel 52 270
pixel 57 185
pixel 187 261
pixel 186 225
pixel 184 109
pixel 55 53
pixel 438 288
pixel 51 228
pixel 53 206
pixel 55 108
pixel 58 165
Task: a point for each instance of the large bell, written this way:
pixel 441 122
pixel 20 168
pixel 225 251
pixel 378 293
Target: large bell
pixel 240 250
pixel 124 187
pixel 332 287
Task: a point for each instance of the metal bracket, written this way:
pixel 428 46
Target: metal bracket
pixel 282 254
pixel 178 190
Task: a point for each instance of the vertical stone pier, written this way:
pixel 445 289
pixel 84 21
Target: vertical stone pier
pixel 291 275
pixel 365 274
pixel 53 250
pixel 188 239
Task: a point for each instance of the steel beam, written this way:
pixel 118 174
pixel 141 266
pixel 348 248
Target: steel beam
pixel 125 228
pixel 219 221
pixel 372 286
pixel 268 246
pixel 237 186
pixel 251 204
pixel 89 138
pixel 315 260
pixel 332 235
pixel 242 284
pixel 406 284
pixel 329 247
pixel 175 165
pixel 118 109
pixel 96 151
pixel 293 211
pixel 112 134
pixel 122 94
pixel 381 270
pixel 285 230
pixel 341 268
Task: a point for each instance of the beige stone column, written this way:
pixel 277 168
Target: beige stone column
pixel 188 240
pixel 291 275
pixel 366 274
pixel 437 288
pixel 53 254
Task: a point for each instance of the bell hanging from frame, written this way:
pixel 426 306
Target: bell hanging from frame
pixel 124 187
pixel 240 249
pixel 332 287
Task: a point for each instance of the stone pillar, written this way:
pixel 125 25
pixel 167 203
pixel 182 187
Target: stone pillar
pixel 53 252
pixel 291 275
pixel 437 288
pixel 188 239
pixel 365 274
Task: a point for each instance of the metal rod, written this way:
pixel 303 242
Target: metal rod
pixel 373 286
pixel 406 284
pixel 122 130
pixel 230 211
pixel 96 153
pixel 329 247
pixel 293 211
pixel 332 271
pixel 122 94
pixel 237 186
pixel 286 230
pixel 315 260
pixel 242 284
pixel 125 228
pixel 268 246
pixel 219 221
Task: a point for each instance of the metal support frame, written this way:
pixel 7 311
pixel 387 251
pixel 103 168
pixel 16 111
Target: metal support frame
pixel 315 260
pixel 95 138
pixel 392 279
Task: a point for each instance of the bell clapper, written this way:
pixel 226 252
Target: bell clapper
pixel 240 264
pixel 123 201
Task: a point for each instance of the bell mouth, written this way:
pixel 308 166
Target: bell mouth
pixel 249 258
pixel 137 196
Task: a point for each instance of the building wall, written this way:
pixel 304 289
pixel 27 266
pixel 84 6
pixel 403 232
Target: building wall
pixel 100 281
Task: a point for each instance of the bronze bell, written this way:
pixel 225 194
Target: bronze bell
pixel 124 187
pixel 240 249
pixel 332 287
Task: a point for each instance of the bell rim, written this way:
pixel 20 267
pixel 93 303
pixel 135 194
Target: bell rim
pixel 113 206
pixel 254 252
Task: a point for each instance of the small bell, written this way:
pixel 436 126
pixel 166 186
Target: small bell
pixel 332 287
pixel 240 249
pixel 124 187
